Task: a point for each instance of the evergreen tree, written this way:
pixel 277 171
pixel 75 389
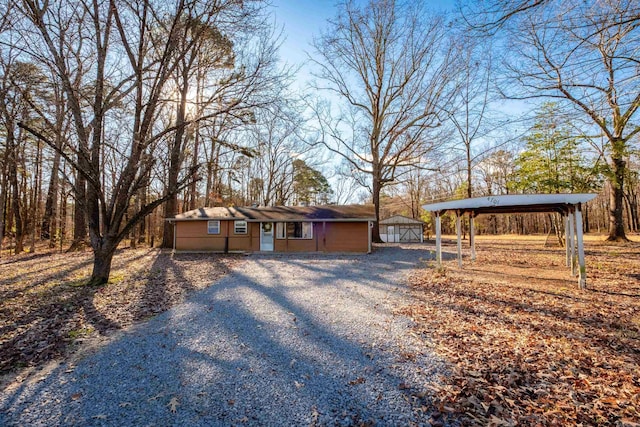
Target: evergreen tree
pixel 551 161
pixel 310 186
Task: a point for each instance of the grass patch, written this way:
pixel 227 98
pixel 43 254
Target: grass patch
pixel 81 332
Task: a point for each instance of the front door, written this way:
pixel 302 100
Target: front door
pixel 266 236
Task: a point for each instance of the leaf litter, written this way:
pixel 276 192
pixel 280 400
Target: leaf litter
pixel 524 346
pixel 46 311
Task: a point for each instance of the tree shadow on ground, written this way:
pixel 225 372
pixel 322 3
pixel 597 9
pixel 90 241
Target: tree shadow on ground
pixel 45 308
pixel 249 350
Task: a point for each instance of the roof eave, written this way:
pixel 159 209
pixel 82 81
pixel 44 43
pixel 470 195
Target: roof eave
pixel 274 220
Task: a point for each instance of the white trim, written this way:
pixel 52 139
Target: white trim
pixel 285 236
pixel 273 231
pixel 235 227
pixel 209 225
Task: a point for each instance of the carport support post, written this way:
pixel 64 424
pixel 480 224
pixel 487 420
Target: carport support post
pixel 438 241
pixel 572 243
pixel 582 278
pixel 565 217
pixel 472 236
pixel 459 232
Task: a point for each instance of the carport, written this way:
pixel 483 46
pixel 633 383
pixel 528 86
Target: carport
pixel 568 205
pixel 400 228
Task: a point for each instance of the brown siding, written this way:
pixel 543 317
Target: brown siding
pixel 192 236
pixel 295 245
pixel 254 232
pixel 347 237
pixel 338 237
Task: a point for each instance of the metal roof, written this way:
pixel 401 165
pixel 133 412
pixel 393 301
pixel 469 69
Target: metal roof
pixel 282 213
pixel 512 203
pixel 400 219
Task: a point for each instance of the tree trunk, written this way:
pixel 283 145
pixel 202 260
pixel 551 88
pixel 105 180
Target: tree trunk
pixel 102 258
pixel 3 199
pixel 142 228
pixel 79 214
pixel 586 218
pixel 15 193
pixel 35 201
pixel 170 210
pixel 616 202
pixel 63 215
pixel 377 187
pixel 49 226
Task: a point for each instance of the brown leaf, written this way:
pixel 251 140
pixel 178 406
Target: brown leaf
pixel 359 380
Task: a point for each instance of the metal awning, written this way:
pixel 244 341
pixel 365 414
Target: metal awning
pixel 513 203
pixel 569 205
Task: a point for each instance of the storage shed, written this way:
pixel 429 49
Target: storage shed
pixel 401 229
pixel 333 228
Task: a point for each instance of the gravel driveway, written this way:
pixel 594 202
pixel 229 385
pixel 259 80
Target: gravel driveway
pixel 283 340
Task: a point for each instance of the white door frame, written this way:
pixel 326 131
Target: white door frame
pixel 262 242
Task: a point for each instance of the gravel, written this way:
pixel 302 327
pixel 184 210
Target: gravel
pixel 309 339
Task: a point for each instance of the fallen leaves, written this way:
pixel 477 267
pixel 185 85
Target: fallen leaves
pixel 45 308
pixel 525 346
pixel 359 380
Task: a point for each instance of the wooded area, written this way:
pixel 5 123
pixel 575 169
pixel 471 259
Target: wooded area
pixel 115 115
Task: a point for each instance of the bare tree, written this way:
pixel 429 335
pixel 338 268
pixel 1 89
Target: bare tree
pixel 233 66
pixel 274 135
pixel 132 51
pixel 585 55
pixel 390 63
pixel 470 114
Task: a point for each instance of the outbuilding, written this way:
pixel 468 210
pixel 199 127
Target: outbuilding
pixel 333 228
pixel 401 229
pixel 567 205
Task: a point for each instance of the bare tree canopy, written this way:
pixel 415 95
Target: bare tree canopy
pixel 585 56
pixel 389 63
pixel 121 66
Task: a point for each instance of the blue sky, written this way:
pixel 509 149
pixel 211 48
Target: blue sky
pixel 303 19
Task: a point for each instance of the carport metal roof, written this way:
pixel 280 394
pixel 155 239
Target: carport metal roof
pixel 513 203
pixel 569 205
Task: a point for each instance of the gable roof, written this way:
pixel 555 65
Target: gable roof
pixel 282 213
pixel 513 203
pixel 401 219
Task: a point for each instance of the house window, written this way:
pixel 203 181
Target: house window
pixel 240 227
pixel 213 227
pixel 294 230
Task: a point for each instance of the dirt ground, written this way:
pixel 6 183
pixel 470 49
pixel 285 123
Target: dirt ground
pixel 46 311
pixel 524 344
